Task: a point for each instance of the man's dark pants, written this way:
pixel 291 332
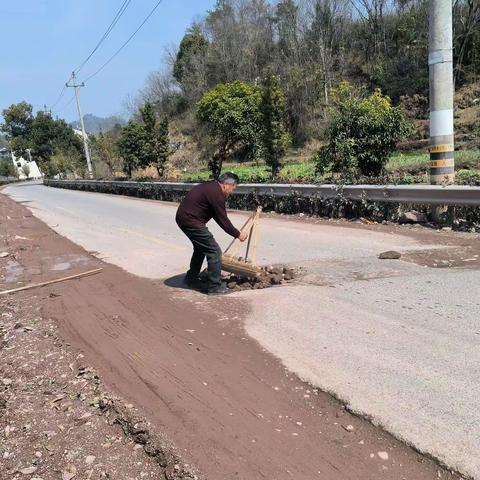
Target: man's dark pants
pixel 204 245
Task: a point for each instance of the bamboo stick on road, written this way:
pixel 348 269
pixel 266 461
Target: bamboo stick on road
pixel 50 282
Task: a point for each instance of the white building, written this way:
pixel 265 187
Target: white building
pixel 78 132
pixel 23 167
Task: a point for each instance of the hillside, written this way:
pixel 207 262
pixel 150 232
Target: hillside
pixel 95 125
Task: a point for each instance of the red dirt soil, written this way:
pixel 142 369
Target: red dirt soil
pixel 230 407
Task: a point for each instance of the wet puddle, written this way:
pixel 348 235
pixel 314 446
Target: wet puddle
pixel 13 271
pixel 65 262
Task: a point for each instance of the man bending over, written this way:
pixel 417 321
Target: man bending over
pixel 202 203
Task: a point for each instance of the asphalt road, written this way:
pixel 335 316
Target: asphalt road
pixel 397 340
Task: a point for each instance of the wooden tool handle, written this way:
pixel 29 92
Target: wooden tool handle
pixel 245 227
pixel 250 226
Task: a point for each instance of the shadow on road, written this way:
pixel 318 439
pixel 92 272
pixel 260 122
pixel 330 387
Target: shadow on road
pixel 177 282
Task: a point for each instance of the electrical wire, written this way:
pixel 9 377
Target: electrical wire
pixel 126 42
pixel 64 107
pixel 115 20
pixel 57 101
pixel 105 35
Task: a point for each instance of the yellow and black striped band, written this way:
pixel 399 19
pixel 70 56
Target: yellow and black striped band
pixel 442 160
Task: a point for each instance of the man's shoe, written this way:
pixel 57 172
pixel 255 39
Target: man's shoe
pixel 192 282
pixel 219 291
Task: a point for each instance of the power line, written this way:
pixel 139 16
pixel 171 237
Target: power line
pixel 64 107
pixel 115 20
pixel 126 42
pixel 57 101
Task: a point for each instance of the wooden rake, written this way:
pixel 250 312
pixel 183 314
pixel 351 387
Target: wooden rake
pixel 244 266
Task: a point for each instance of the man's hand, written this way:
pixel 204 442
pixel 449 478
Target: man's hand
pixel 243 236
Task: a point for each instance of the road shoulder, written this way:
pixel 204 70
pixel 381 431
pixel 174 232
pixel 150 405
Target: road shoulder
pixel 230 406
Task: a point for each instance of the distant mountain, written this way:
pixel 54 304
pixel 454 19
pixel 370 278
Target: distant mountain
pixel 94 124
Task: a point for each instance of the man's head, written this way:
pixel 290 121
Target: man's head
pixel 228 182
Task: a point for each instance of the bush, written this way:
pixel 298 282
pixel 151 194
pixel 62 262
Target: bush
pixel 231 114
pixel 468 177
pixel 275 137
pixel 362 134
pixel 7 169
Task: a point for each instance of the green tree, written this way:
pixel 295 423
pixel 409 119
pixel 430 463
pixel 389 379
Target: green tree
pixel 275 137
pixel 147 114
pixel 7 169
pixel 192 47
pixel 231 114
pixel 157 144
pixel 18 120
pixel 163 150
pixel 131 146
pixel 64 163
pixel 49 135
pixel 148 154
pixel 362 134
pixel 104 148
pixel 42 134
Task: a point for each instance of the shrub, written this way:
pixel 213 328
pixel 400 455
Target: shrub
pixel 7 169
pixel 132 147
pixel 275 138
pixel 231 114
pixel 64 163
pixel 362 134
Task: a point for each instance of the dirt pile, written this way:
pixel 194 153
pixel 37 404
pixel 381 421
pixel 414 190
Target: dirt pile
pixel 270 276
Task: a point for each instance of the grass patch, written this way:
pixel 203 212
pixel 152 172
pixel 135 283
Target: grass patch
pixel 468 177
pixel 402 168
pixel 414 163
pixel 293 172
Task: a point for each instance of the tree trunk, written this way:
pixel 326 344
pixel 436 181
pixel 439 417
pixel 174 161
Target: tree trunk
pixel 216 162
pixel 160 170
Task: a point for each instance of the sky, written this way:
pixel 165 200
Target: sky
pixel 44 40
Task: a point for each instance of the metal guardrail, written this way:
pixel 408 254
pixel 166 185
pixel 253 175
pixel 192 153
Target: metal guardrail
pixel 424 194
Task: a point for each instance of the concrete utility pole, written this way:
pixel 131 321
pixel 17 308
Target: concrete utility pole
pixel 440 61
pixel 76 86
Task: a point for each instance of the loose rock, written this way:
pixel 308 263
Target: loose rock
pixel 276 270
pixel 270 276
pixel 276 279
pixel 412 217
pixel 28 471
pixel 390 255
pixel 383 455
pixel 69 472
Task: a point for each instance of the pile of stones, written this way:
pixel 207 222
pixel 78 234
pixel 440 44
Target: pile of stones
pixel 269 277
